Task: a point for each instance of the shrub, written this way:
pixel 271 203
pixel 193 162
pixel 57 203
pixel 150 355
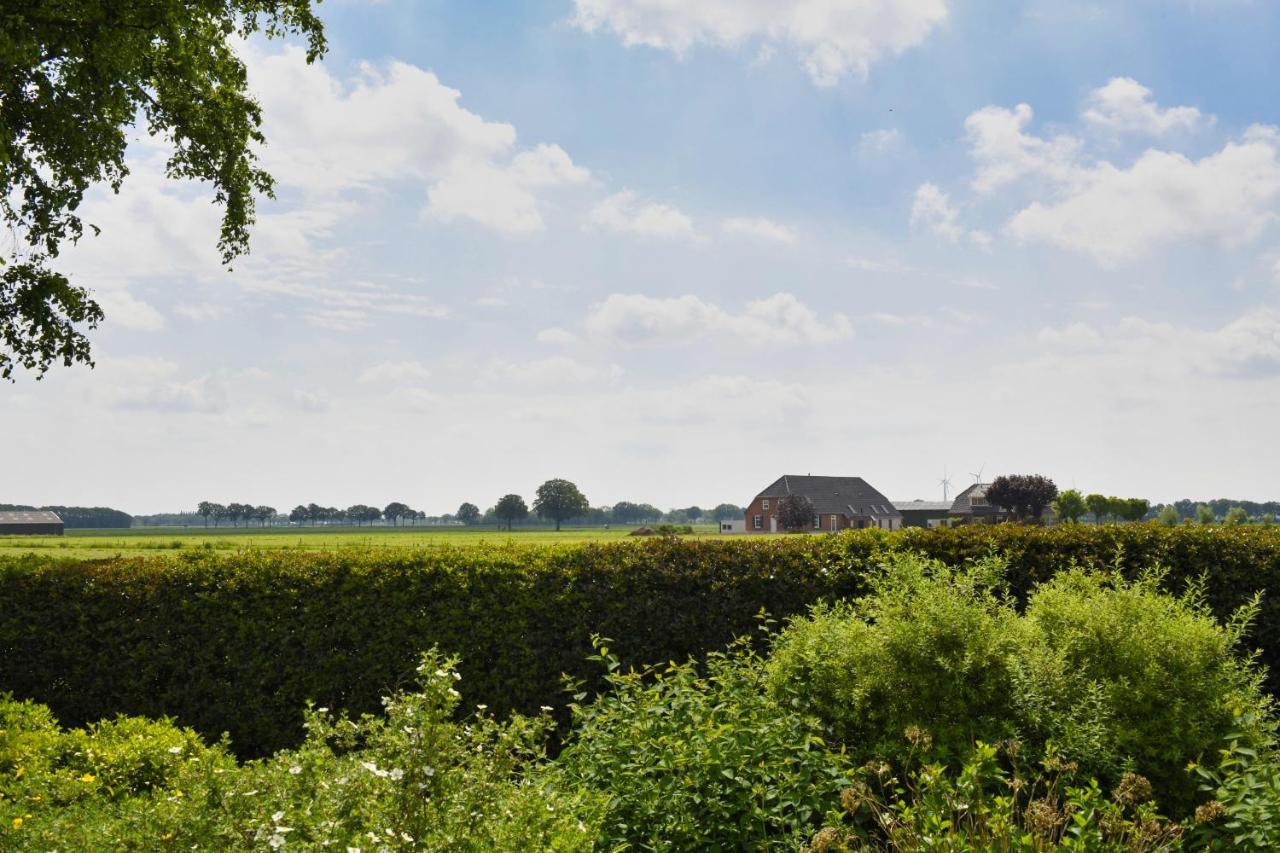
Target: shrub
pixel 1113 675
pixel 204 635
pixel 701 760
pixel 1119 675
pixel 412 779
pixel 982 805
pixel 1243 809
pixel 930 648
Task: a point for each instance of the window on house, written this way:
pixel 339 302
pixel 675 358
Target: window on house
pixel 758 522
pixel 817 522
pixel 764 504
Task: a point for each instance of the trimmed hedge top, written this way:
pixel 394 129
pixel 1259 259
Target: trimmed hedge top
pixel 239 642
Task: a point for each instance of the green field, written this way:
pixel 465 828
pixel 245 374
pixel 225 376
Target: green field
pixel 94 544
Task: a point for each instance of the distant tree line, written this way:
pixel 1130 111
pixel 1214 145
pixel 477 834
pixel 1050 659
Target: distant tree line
pixel 557 502
pixel 81 516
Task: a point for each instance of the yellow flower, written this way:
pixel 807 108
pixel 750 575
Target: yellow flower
pixel 88 777
pixel 17 823
pixel 21 770
pixel 168 836
pixel 177 793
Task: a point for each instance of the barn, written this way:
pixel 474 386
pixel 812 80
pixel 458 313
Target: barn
pixel 30 522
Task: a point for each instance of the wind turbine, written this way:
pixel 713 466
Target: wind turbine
pixel 977 478
pixel 945 482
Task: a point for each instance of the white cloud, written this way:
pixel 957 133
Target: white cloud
pixel 834 38
pixel 395 124
pixel 877 143
pixel 625 213
pixel 311 400
pixel 931 208
pixel 502 197
pixel 1245 348
pixel 142 384
pixel 1005 152
pixel 1116 214
pixel 780 319
pixel 763 229
pixel 1127 106
pixel 200 312
pixel 395 372
pixel 551 372
pixel 126 311
pixel 556 335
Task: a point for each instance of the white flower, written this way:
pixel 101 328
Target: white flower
pixel 482 707
pixel 428 771
pixel 353 850
pixel 322 710
pixel 440 673
pixel 396 774
pixel 547 708
pixel 295 770
pixel 453 693
pixel 276 841
pixel 175 749
pixel 275 818
pixel 373 768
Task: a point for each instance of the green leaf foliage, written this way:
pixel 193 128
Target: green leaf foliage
pixel 203 636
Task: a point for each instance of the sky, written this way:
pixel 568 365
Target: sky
pixel 671 251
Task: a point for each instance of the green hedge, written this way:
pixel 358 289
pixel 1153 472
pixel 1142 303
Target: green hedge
pixel 239 642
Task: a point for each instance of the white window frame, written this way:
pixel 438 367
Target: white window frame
pixel 764 504
pixel 817 521
pixel 757 522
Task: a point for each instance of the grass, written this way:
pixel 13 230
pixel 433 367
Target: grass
pixel 92 544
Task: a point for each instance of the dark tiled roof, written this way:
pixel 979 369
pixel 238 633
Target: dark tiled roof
pixel 29 516
pixel 923 506
pixel 851 496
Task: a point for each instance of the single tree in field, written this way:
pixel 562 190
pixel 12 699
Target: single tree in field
pixel 1134 509
pixel 795 512
pixel 1168 516
pixel 559 500
pixel 1099 506
pixel 511 508
pixel 204 510
pixel 724 512
pixel 395 511
pixel 263 514
pixel 1024 496
pixel 1236 516
pixel 298 514
pixel 468 513
pixel 1069 505
pixel 1268 519
pixel 77 77
pixel 1205 514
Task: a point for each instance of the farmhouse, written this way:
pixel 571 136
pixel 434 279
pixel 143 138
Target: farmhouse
pixel 839 503
pixel 34 522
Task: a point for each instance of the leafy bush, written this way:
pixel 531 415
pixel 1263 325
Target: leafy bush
pixel 701 760
pixel 930 648
pixel 1119 675
pixel 412 779
pixel 983 806
pixel 1113 675
pixel 204 635
pixel 1243 812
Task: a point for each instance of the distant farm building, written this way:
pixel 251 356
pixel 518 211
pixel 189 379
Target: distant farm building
pixel 924 513
pixel 969 507
pixel 839 503
pixel 35 522
pixel 733 525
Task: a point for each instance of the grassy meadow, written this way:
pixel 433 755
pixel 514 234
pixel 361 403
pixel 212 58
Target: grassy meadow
pixel 137 542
